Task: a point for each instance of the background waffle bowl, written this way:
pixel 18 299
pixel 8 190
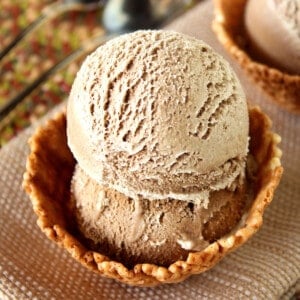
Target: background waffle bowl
pixel 228 24
pixel 49 170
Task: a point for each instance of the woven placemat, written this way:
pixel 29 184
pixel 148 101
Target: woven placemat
pixel 267 267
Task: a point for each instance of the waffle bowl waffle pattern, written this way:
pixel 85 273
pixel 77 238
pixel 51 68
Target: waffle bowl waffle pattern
pixel 49 170
pixel 228 25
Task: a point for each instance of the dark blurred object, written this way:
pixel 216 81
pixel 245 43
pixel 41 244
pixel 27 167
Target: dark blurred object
pixel 128 15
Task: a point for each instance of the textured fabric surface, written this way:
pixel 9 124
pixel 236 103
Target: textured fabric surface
pixel 267 267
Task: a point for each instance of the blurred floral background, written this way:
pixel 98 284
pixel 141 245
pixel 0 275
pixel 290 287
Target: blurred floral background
pixel 37 52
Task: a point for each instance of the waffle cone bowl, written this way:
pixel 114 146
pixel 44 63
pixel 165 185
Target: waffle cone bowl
pixel 47 180
pixel 228 24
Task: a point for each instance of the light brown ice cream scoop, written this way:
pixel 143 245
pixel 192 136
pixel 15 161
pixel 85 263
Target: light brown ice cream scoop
pixel 157 114
pixel 154 118
pixel 273 27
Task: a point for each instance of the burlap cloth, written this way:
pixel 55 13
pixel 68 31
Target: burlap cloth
pixel 267 267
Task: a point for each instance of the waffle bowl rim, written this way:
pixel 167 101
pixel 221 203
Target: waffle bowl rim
pixel 49 221
pixel 262 74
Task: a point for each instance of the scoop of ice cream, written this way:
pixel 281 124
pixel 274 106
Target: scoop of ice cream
pixel 152 231
pixel 157 114
pixel 273 27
